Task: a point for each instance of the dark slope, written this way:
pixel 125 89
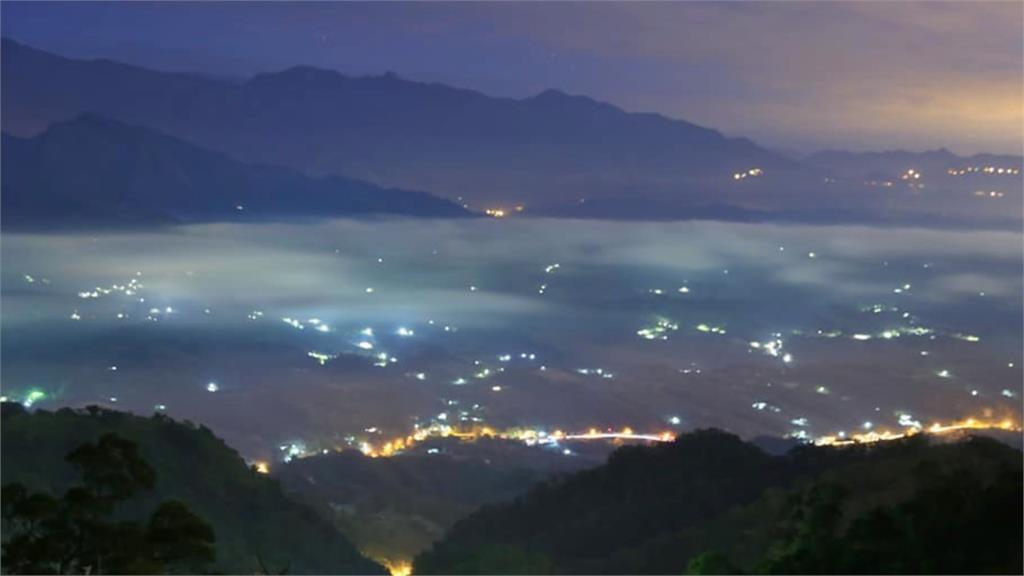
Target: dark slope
pixel 95 171
pixel 576 524
pixel 652 510
pixel 394 508
pixel 252 518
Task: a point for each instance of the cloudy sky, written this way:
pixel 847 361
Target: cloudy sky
pixel 800 76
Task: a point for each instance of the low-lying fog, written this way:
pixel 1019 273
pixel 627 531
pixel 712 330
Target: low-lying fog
pixel 541 323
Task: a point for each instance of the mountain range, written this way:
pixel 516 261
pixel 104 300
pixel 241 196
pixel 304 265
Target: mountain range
pixel 553 153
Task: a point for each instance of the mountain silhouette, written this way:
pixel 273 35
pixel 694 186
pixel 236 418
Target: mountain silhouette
pixel 96 171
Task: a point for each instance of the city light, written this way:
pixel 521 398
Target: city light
pixel 990 170
pixel 751 173
pixel 321 357
pixel 32 397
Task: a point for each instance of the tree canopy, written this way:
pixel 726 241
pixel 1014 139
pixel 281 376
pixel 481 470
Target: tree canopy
pixel 79 532
pixel 259 528
pixel 710 503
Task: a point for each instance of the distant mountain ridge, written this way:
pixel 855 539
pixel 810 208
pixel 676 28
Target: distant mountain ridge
pixel 554 153
pixel 96 171
pixel 861 164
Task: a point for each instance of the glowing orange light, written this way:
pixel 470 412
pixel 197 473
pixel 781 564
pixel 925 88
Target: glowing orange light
pixel 398 568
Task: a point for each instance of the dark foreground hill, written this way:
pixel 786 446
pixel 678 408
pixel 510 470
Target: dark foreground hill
pixel 257 528
pixel 711 503
pixel 92 171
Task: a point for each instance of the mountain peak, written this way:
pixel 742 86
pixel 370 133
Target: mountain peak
pixel 306 75
pixel 555 95
pixel 90 119
pixel 94 126
pixel 551 94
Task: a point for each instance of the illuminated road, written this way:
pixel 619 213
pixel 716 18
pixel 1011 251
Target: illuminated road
pixel 935 429
pixel 532 437
pixel 664 437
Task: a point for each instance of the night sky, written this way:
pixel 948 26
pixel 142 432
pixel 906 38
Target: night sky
pixel 793 76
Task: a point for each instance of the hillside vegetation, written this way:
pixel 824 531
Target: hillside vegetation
pixel 257 527
pixel 710 503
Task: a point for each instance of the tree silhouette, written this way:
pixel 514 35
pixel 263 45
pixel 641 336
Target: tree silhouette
pixel 955 522
pixel 711 562
pixel 813 532
pixel 112 469
pixel 76 534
